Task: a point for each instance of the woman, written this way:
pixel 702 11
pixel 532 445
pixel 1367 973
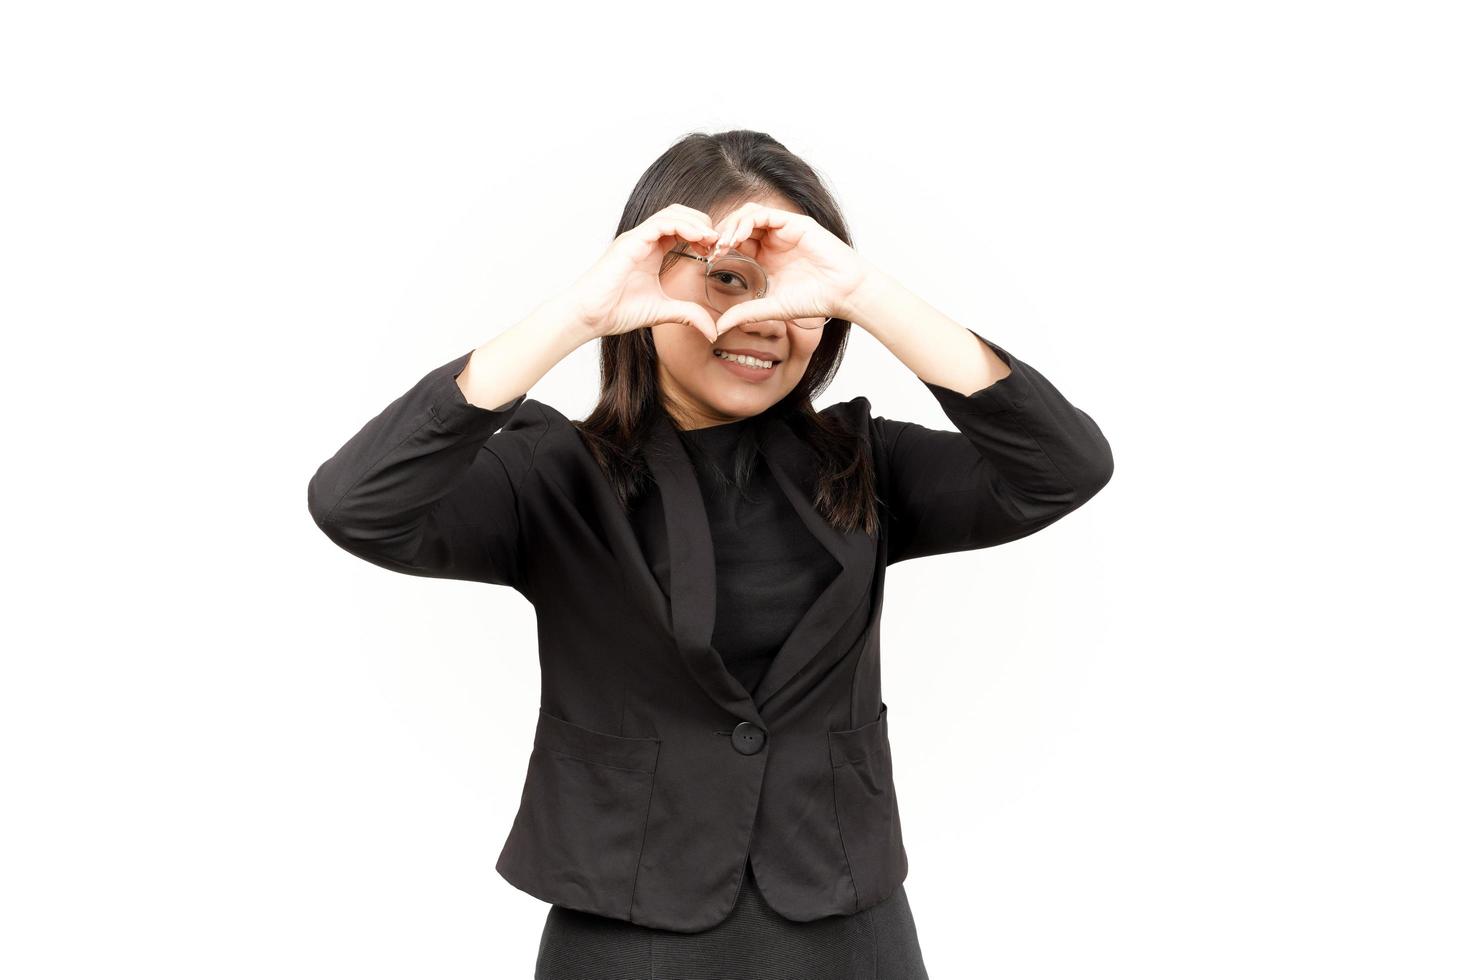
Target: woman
pixel 710 793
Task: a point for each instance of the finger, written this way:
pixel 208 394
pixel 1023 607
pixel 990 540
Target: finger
pixel 731 215
pixel 691 314
pixel 752 311
pixel 731 222
pixel 704 234
pixel 761 221
pixel 747 224
pixel 723 227
pixel 703 221
pixel 770 220
pixel 698 231
pixel 735 221
pixel 677 228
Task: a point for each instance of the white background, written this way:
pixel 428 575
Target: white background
pixel 1211 725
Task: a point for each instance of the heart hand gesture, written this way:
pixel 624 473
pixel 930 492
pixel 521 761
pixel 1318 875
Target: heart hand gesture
pixel 811 272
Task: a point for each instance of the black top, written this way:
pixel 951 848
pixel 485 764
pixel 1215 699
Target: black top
pixel 768 566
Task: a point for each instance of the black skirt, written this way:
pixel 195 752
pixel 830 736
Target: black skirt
pixel 754 942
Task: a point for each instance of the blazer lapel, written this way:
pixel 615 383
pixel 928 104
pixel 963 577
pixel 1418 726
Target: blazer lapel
pixel 692 568
pixel 790 462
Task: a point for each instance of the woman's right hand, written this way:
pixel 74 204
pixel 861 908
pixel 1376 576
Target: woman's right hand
pixel 621 292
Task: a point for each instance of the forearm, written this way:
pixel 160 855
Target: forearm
pixel 933 346
pixel 410 456
pixel 1024 457
pixel 510 363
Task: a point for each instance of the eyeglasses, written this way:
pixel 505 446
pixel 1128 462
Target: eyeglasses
pixel 734 278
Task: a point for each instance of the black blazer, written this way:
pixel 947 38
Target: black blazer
pixel 654 774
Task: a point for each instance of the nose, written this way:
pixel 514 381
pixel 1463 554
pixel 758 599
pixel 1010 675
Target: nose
pixel 767 329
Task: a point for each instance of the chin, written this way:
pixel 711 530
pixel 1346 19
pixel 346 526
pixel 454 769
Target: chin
pixel 740 408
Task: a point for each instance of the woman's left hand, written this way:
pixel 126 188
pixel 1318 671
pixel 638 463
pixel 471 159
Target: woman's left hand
pixel 813 272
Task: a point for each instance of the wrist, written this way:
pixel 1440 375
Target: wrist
pixel 873 286
pixel 560 316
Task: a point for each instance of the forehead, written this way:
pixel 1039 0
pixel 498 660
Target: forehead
pixel 720 211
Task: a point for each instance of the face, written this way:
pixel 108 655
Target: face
pixel 699 387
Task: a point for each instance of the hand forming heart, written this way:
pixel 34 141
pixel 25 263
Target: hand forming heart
pixel 811 272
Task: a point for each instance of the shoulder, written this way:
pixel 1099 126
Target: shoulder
pixel 881 433
pixel 856 414
pixel 541 437
pixel 521 444
pixel 856 408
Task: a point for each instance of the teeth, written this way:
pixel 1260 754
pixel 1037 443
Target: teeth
pixel 745 359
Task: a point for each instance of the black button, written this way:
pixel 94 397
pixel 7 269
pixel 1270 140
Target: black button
pixel 748 738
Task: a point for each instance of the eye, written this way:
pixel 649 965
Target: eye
pixel 729 279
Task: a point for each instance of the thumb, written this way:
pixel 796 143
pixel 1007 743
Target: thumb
pixel 751 311
pixel 696 316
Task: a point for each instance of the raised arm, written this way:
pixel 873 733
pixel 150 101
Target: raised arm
pixel 1023 458
pixel 429 485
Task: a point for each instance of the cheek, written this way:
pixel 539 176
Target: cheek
pixel 806 348
pixel 671 341
pixel 680 348
pixel 659 335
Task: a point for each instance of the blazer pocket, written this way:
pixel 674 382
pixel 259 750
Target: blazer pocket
pixel 616 751
pixel 867 808
pixel 578 835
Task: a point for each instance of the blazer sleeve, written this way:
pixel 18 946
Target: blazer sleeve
pixel 1023 458
pixel 429 486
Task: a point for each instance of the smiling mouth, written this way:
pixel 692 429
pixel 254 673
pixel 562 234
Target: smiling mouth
pixel 746 359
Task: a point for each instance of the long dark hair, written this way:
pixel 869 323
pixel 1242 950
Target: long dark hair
pixel 705 171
